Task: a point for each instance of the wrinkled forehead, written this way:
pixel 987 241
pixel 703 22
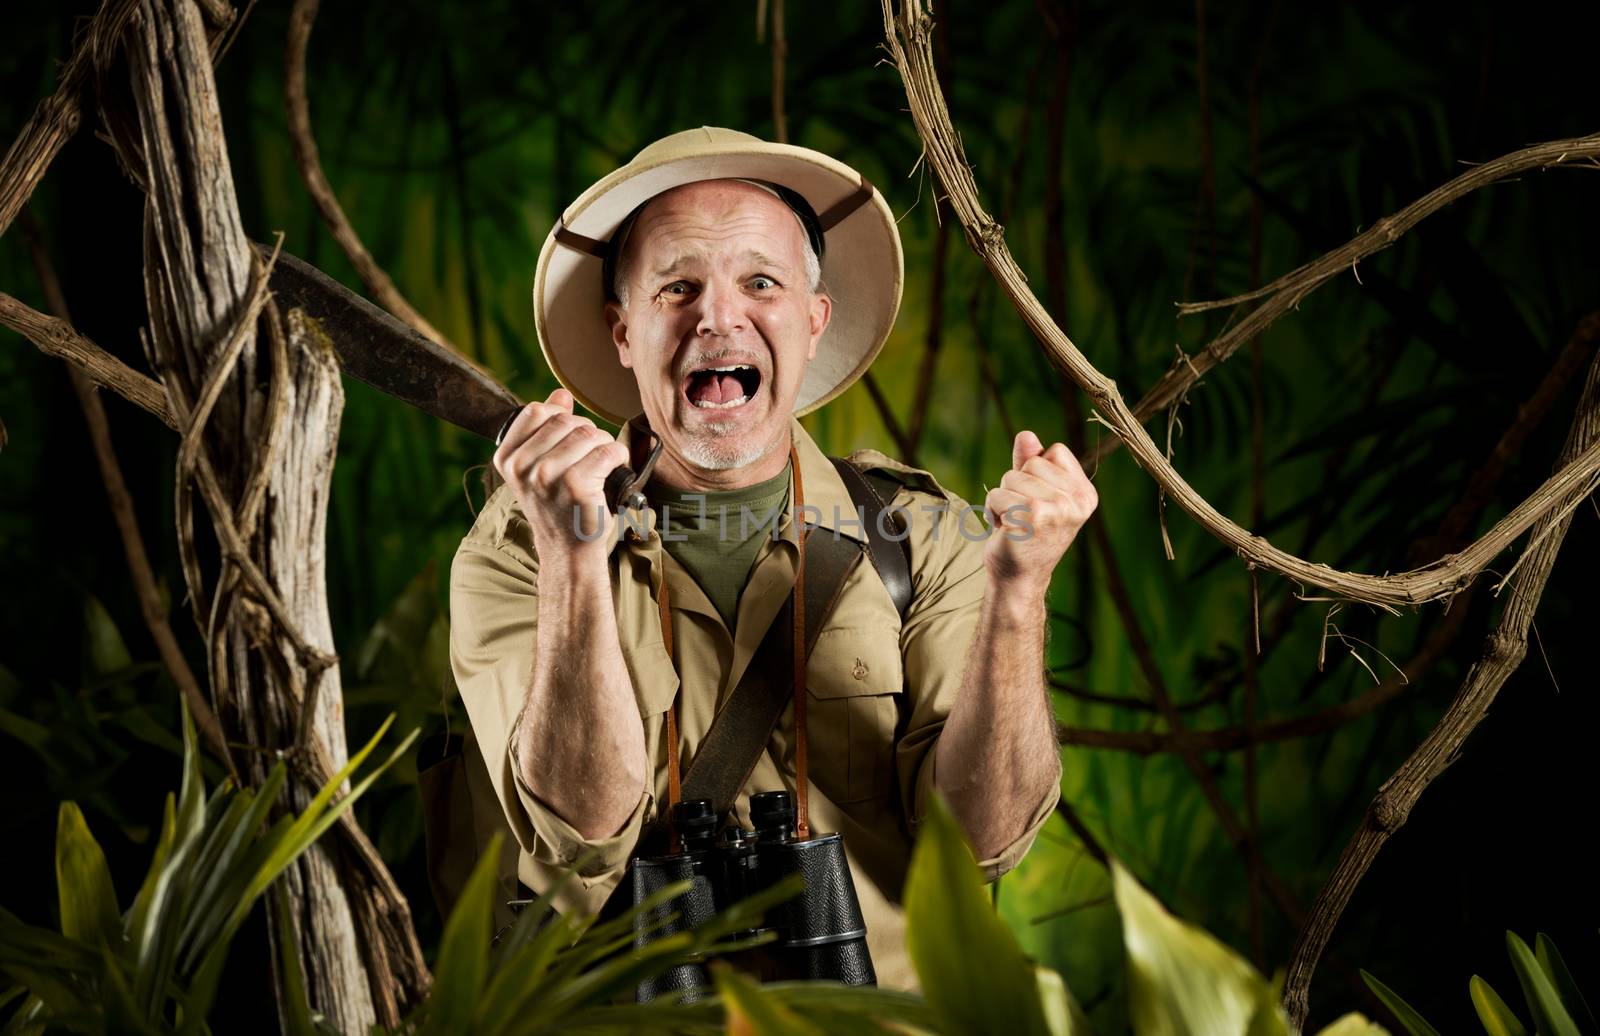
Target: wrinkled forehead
pixel 694 214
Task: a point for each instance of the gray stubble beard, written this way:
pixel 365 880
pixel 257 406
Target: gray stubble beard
pixel 702 450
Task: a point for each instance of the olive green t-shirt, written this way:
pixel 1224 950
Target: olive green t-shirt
pixel 716 536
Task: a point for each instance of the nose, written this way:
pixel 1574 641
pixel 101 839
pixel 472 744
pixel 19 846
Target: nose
pixel 721 310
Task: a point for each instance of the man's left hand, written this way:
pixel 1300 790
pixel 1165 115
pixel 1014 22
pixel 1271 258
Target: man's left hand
pixel 1036 512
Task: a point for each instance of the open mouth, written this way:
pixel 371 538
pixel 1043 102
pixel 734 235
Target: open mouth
pixel 722 388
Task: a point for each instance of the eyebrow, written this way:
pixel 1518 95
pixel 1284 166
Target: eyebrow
pixel 683 259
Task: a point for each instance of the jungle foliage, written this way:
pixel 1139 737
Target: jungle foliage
pixel 1127 174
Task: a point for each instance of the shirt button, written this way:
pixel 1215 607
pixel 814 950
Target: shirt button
pixel 860 670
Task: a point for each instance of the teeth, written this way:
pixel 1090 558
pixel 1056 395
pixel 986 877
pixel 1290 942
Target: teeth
pixel 724 370
pixel 704 404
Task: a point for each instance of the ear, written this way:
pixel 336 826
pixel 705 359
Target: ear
pixel 616 321
pixel 821 313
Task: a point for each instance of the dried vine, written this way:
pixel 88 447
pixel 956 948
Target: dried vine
pixel 1502 653
pixel 908 36
pixel 1285 293
pixel 121 501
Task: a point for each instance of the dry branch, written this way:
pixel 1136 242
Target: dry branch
pixel 1231 739
pixel 121 502
pixel 1502 653
pixel 259 431
pixel 56 337
pixel 908 36
pixel 304 143
pixel 1285 293
pixel 58 116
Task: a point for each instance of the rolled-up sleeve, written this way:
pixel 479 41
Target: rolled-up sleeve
pixel 948 580
pixel 494 612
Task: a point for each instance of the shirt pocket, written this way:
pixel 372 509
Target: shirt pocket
pixel 855 687
pixel 655 681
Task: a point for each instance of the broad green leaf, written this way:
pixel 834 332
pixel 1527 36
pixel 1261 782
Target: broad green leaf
pixel 1354 1025
pixel 123 1013
pixel 34 735
pixel 104 648
pixel 1550 960
pixel 1550 1016
pixel 139 919
pixel 30 1019
pixel 1180 979
pixel 518 978
pixel 1268 1018
pixel 294 1007
pixel 404 627
pixel 1497 1018
pixel 318 816
pixel 458 983
pixel 1415 1024
pixel 822 1002
pixel 969 964
pixel 83 882
pixel 1061 1011
pixel 752 1014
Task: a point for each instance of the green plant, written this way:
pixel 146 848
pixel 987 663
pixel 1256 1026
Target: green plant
pixel 977 980
pixel 156 966
pixel 1553 999
pixel 564 973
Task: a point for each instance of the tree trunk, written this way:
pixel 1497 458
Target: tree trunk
pixel 259 403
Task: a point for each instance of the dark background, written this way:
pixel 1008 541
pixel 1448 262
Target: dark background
pixel 454 133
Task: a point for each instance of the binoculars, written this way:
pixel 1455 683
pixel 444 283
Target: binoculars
pixel 820 933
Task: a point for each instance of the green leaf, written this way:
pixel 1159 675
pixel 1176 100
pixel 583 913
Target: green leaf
pixel 1268 1018
pixel 458 984
pixel 121 1010
pixel 294 1007
pixel 403 629
pixel 1497 1018
pixel 1550 960
pixel 104 648
pixel 1180 979
pixel 83 882
pixel 824 1002
pixel 1550 1016
pixel 970 966
pixel 1415 1024
pixel 1354 1025
pixel 1061 1011
pixel 34 735
pixel 751 1014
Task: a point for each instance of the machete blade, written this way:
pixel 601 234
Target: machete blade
pixel 393 358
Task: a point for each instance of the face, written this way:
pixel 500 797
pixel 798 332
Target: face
pixel 718 329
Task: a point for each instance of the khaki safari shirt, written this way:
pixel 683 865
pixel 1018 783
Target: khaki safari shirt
pixel 879 689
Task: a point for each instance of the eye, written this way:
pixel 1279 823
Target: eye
pixel 678 288
pixel 761 282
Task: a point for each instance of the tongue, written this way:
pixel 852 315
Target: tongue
pixel 715 388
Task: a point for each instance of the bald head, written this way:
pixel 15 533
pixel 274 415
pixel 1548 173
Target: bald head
pixel 687 211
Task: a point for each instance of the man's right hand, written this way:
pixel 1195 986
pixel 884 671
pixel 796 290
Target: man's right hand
pixel 556 464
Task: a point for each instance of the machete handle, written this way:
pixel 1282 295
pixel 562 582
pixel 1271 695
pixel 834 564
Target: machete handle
pixel 623 487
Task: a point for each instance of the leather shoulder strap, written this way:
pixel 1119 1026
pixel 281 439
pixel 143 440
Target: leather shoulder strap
pixel 886 531
pixel 728 753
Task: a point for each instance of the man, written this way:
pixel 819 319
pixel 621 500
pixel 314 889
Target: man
pixel 710 291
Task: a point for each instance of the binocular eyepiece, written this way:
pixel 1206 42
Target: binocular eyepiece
pixel 820 932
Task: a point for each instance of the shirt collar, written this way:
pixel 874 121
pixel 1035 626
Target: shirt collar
pixel 828 503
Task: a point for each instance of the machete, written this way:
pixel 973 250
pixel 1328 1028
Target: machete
pixel 397 360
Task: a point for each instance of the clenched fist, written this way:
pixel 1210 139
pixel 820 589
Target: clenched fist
pixel 556 464
pixel 1036 511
